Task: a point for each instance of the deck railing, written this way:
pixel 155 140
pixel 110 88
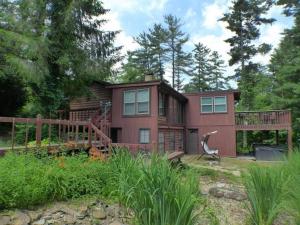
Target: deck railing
pixel 56 132
pixel 265 118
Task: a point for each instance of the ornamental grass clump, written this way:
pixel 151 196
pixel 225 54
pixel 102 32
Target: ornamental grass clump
pixel 265 190
pixel 292 201
pixel 162 196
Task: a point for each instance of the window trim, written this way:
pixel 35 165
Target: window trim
pixel 144 129
pixel 136 113
pixel 226 110
pixel 124 103
pixel 214 105
pixel 137 102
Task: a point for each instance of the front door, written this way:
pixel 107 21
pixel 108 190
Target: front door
pixel 116 135
pixel 192 142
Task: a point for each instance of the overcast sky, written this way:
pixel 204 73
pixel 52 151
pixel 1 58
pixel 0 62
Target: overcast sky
pixel 200 19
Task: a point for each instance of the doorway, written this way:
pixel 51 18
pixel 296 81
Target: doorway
pixel 116 135
pixel 192 141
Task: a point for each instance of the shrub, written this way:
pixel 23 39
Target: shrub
pixel 292 188
pixel 158 193
pixel 264 187
pixel 26 180
pixel 161 196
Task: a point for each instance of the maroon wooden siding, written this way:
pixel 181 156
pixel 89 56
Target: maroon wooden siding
pixel 224 123
pixel 98 92
pixel 130 125
pixel 85 107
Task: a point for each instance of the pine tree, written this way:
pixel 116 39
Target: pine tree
pixel 217 80
pixel 285 68
pixel 243 20
pixel 176 39
pixel 57 46
pixel 200 71
pixel 157 40
pixel 182 66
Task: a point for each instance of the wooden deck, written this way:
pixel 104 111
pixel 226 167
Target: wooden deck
pixel 267 120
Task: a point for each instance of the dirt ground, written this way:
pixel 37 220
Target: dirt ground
pixel 223 175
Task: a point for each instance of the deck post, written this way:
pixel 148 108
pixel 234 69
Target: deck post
pixel 277 137
pixel 38 132
pixel 290 141
pixel 90 133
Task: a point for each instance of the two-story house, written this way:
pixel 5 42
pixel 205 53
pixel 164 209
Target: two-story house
pixel 153 113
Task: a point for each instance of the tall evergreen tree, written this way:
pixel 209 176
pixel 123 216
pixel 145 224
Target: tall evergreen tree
pixel 157 39
pixel 200 71
pixel 217 80
pixel 176 39
pixel 244 20
pixel 285 68
pixel 182 66
pixel 59 42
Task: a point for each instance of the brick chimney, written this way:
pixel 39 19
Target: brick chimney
pixel 149 77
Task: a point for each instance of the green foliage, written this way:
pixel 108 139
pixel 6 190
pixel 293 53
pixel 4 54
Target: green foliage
pixel 264 187
pixel 243 20
pixel 27 180
pixel 162 196
pixel 292 202
pixel 152 188
pixel 56 48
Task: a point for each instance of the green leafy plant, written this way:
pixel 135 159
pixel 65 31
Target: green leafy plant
pixel 265 190
pixel 161 196
pixel 292 170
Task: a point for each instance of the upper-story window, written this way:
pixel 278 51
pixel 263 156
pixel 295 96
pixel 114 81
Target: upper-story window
pixel 162 103
pixel 214 104
pixel 136 102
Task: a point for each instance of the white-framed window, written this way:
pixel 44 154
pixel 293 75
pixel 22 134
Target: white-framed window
pixel 143 101
pixel 220 103
pixel 217 104
pixel 207 104
pixel 136 102
pixel 144 136
pixel 129 102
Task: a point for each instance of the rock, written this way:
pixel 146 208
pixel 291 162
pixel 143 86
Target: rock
pixel 20 218
pixel 39 222
pixel 4 220
pixel 34 215
pixel 220 185
pixel 98 213
pixel 216 192
pixel 235 195
pixel 68 219
pixel 223 192
pixel 82 212
pixel 116 223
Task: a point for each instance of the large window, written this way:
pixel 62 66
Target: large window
pixel 162 101
pixel 214 104
pixel 206 104
pixel 220 104
pixel 136 102
pixel 144 136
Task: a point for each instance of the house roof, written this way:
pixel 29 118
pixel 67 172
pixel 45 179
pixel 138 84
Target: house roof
pixel 163 86
pixel 235 92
